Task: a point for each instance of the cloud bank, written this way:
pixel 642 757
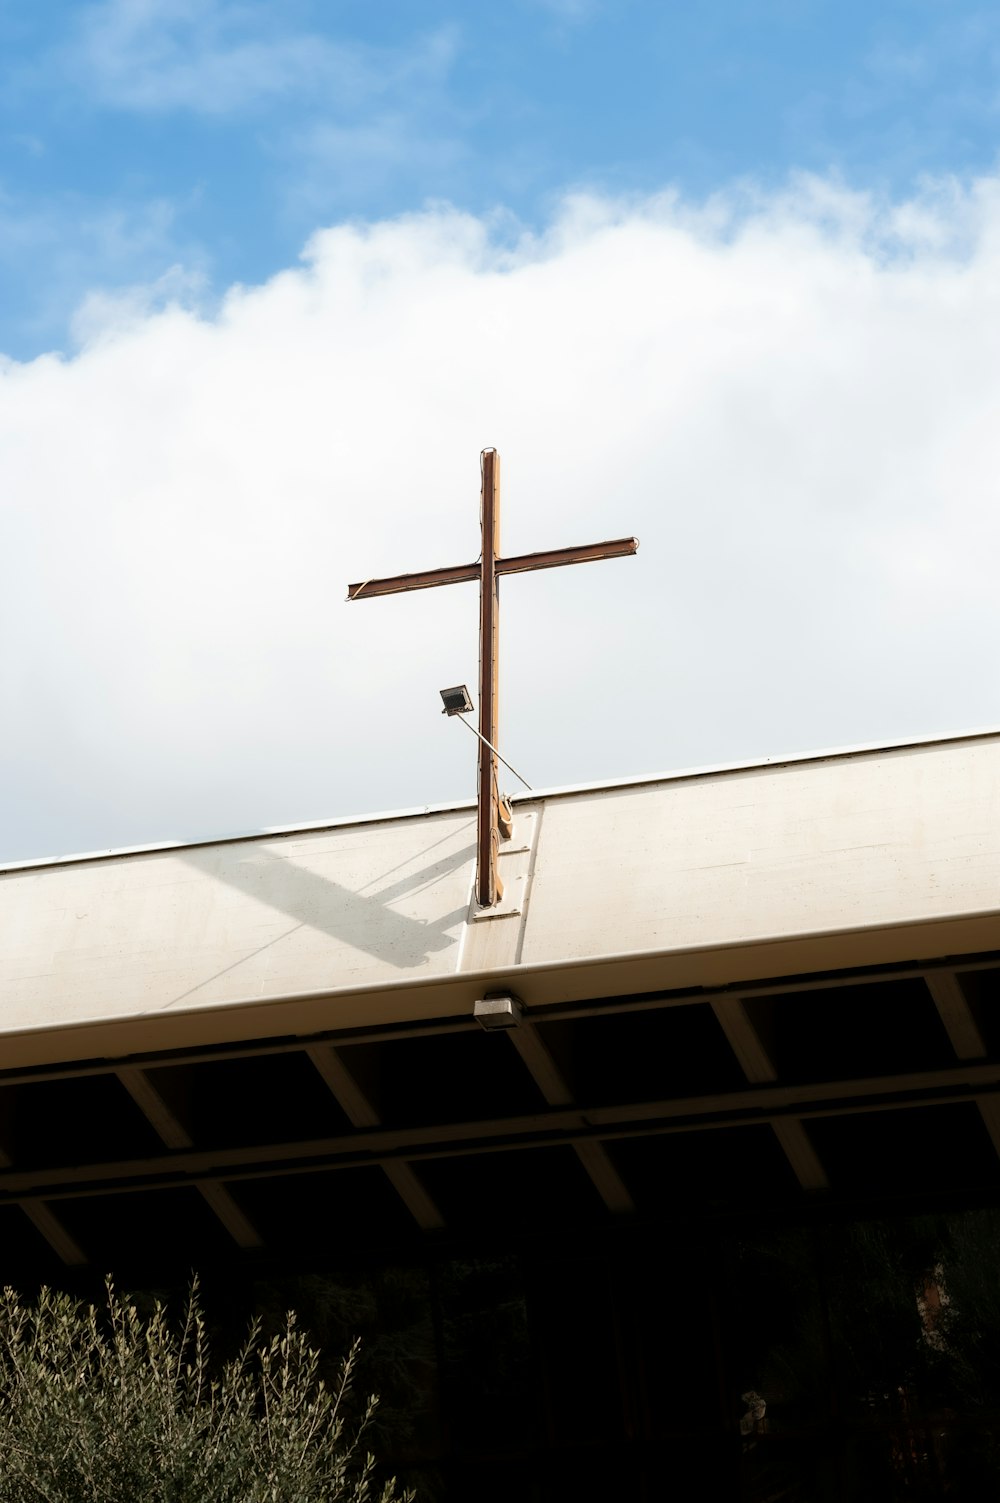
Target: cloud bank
pixel 791 400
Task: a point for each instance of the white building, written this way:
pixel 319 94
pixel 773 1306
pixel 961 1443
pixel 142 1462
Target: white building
pixel 769 989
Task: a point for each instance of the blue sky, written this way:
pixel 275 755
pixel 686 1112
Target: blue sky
pixel 214 136
pixel 725 276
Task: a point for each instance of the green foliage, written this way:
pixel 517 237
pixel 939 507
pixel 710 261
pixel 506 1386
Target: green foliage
pixel 103 1405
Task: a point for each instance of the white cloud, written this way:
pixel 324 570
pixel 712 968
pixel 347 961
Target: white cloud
pixel 569 10
pixel 59 249
pixel 103 312
pixel 333 163
pixel 791 400
pixel 217 57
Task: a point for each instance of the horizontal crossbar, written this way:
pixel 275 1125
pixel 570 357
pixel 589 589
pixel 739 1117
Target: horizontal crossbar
pixel 522 563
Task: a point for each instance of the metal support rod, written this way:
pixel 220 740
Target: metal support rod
pixel 507 764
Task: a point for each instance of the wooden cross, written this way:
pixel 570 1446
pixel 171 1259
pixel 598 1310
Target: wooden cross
pixel 494 817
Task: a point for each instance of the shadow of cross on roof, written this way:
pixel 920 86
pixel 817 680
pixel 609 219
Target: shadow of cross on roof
pixel 363 920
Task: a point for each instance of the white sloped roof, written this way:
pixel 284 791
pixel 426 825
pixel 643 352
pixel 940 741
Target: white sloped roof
pixel 705 878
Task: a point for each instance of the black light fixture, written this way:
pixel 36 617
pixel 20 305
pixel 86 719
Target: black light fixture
pixel 456 700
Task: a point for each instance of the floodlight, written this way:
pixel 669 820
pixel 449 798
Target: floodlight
pixel 456 700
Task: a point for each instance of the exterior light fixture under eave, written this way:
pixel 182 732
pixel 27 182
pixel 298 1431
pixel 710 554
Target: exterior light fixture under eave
pixel 497 1010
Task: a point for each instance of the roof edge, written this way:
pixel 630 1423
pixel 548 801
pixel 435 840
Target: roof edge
pixel 636 780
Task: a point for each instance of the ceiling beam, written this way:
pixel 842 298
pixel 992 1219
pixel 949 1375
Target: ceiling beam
pixel 567 1125
pixel 800 1153
pixel 416 1198
pixel 319 1164
pixel 774 987
pixel 608 1183
pixel 45 1220
pixel 538 1061
pixel 162 1118
pixel 338 1079
pixel 171 1129
pixel 541 1066
pixel 744 1039
pixel 989 1110
pixel 233 1217
pixel 360 1112
pixel 956 1014
pixel 966 1039
pixel 759 1069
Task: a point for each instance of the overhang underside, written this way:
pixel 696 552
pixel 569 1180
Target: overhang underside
pixel 874 1085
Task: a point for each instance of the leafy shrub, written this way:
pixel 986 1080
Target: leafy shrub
pixel 103 1405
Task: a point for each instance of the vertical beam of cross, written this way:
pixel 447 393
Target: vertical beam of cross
pixel 488 885
pixel 493 813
